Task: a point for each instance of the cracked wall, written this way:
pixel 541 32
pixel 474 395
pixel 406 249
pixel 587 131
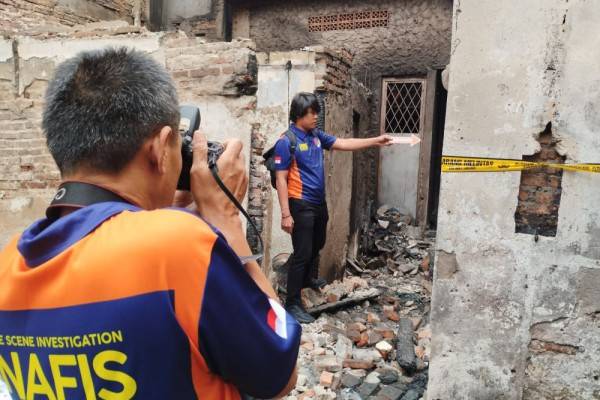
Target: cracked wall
pixel 417 38
pixel 218 77
pixel 516 315
pixel 37 16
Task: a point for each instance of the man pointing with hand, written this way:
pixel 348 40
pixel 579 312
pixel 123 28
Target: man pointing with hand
pixel 300 181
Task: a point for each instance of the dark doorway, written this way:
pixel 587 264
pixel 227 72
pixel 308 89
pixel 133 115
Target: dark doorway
pixel 437 142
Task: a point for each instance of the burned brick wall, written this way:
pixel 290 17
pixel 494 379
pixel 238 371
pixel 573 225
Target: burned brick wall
pixel 417 37
pixel 20 16
pixel 220 78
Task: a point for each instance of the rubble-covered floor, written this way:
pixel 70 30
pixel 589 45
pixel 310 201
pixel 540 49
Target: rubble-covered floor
pixel 376 348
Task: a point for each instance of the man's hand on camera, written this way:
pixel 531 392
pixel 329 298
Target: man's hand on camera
pixel 216 208
pixel 212 203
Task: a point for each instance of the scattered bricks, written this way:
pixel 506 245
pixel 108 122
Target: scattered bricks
pixel 353 335
pixel 424 333
pixel 326 379
pixel 420 352
pixel 392 315
pixel 332 298
pixel 328 363
pixel 416 322
pixel 337 381
pixel 374 337
pixel 357 326
pixel 385 331
pixel 388 375
pixel 319 351
pixel 384 348
pixel 364 340
pixel 309 394
pixel 373 378
pixel 358 364
pixel 389 393
pixel 343 348
pixel 308 346
pixel 372 318
pixel 367 355
pixel 425 264
pixel 352 378
pixel 367 389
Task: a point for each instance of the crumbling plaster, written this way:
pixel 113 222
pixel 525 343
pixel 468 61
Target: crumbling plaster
pixel 506 82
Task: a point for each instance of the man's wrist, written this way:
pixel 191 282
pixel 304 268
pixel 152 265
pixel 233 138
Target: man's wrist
pixel 225 223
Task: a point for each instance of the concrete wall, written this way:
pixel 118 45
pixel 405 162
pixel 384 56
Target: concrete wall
pixel 515 316
pixel 218 77
pixel 201 18
pixel 188 8
pixel 418 37
pixel 29 16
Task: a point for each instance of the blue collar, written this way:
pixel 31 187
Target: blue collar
pixel 300 133
pixel 46 238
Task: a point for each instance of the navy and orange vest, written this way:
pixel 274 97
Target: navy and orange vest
pixel 306 172
pixel 112 302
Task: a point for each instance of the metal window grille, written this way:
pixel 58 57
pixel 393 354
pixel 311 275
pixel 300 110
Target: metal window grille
pixel 356 20
pixel 402 106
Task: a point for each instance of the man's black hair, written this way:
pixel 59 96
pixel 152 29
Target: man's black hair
pixel 301 103
pixel 102 105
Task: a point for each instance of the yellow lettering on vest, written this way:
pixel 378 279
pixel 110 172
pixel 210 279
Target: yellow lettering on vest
pixel 62 382
pixel 13 377
pixel 129 384
pixel 86 377
pixel 35 375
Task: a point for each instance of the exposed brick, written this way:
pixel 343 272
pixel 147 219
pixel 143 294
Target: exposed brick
pixel 201 72
pixel 540 191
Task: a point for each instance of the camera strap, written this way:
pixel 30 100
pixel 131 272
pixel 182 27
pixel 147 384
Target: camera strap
pixel 79 195
pixel 215 173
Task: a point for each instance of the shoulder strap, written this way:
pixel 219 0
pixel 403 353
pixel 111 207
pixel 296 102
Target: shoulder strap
pixel 290 135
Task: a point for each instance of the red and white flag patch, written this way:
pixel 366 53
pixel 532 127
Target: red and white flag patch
pixel 277 319
pixel 277 160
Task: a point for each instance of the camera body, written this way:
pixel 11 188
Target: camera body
pixel 189 123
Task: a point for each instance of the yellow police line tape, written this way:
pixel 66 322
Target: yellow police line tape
pixel 477 164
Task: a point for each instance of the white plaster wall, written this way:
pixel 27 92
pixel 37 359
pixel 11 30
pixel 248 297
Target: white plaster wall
pixel 37 58
pixel 514 67
pixel 275 92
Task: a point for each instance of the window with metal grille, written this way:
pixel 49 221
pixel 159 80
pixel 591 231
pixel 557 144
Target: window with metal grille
pixel 356 20
pixel 402 106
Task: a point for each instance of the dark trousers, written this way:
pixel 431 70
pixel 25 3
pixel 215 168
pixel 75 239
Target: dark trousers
pixel 308 238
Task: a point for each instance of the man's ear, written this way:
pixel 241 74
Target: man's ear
pixel 159 146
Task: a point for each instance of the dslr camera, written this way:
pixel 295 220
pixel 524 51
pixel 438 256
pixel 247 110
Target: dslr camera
pixel 189 123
